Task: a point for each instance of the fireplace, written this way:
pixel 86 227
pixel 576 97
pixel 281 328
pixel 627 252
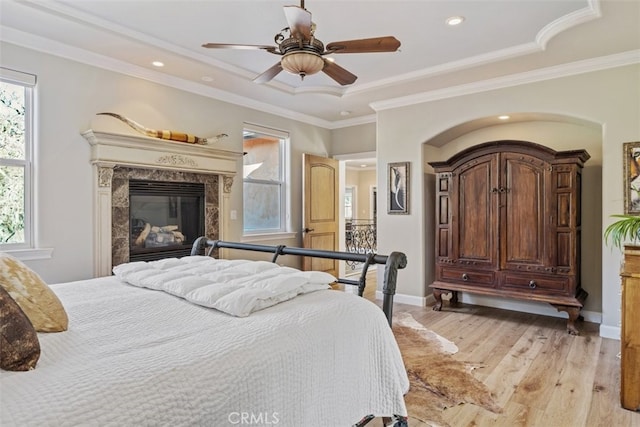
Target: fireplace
pixel 147 186
pixel 135 175
pixel 165 218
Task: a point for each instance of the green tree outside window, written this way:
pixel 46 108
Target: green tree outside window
pixel 12 163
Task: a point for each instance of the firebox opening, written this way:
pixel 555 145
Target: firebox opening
pixel 165 218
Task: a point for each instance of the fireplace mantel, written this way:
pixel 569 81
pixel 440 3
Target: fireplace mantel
pixel 112 150
pixel 144 152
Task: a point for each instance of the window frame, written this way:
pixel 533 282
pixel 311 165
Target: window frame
pixel 26 250
pixel 27 81
pixel 285 194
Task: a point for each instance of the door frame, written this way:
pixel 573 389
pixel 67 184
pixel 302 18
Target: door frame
pixel 342 167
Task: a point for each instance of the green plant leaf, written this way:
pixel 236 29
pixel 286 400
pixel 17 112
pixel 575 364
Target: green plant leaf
pixel 626 229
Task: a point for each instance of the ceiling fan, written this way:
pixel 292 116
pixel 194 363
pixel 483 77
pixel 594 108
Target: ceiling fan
pixel 304 55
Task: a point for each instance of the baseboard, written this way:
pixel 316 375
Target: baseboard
pixel 612 332
pixel 407 299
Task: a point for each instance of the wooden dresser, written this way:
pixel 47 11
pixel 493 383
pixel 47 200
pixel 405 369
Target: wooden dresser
pixel 508 224
pixel 630 335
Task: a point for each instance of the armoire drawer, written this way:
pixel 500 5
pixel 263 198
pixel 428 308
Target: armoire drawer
pixel 460 275
pixel 559 285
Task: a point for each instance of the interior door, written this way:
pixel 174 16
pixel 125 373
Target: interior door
pixel 320 207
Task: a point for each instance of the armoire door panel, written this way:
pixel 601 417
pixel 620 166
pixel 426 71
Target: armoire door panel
pixel 523 211
pixel 443 218
pixel 443 243
pixel 443 210
pixel 565 252
pixel 577 190
pixel 563 180
pixel 563 208
pixel 476 206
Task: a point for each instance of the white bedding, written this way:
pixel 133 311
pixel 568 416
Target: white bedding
pixel 237 287
pixel 135 357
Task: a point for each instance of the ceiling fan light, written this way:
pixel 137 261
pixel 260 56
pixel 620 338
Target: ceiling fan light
pixel 302 63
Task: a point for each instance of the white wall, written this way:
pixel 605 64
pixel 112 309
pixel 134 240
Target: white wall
pixel 354 139
pixel 609 98
pixel 69 94
pixel 363 180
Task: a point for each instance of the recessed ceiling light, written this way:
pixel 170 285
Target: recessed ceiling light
pixel 207 78
pixel 454 20
pixel 363 166
pixel 345 113
pixel 157 64
pixel 505 117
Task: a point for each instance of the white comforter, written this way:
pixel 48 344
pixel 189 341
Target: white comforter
pixel 135 357
pixel 237 287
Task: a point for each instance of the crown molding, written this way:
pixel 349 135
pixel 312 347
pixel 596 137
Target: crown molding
pixel 58 8
pixel 356 121
pixel 48 46
pixel 549 73
pixel 580 16
pixel 592 11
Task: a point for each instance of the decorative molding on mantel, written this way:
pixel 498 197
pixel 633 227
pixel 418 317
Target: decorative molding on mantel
pixel 227 183
pixel 153 153
pixel 105 175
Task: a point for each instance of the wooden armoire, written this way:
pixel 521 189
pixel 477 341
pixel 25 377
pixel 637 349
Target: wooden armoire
pixel 508 224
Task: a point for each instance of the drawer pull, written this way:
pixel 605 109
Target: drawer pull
pixel 465 276
pixel 532 284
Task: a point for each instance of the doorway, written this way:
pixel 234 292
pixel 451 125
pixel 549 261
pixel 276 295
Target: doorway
pixel 359 206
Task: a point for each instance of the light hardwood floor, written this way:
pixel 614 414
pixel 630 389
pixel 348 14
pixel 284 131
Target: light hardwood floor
pixel 541 375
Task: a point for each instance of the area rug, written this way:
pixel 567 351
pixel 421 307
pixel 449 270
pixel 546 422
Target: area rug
pixel 438 381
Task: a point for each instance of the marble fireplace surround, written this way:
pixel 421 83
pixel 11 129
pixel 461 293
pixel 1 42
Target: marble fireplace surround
pixel 116 158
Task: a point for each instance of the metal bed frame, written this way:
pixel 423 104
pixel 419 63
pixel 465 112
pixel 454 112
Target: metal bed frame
pixel 392 263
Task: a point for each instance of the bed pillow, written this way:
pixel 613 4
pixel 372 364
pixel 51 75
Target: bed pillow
pixel 19 345
pixel 35 298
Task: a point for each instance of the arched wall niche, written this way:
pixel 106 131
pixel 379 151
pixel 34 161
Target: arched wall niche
pixel 558 132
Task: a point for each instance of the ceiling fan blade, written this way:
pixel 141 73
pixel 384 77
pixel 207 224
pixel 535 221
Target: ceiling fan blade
pixel 269 74
pixel 377 44
pixel 271 49
pixel 338 73
pixel 299 21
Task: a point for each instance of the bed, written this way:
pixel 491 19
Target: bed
pixel 139 356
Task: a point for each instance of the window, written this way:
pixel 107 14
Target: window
pixel 348 203
pixel 264 180
pixel 16 118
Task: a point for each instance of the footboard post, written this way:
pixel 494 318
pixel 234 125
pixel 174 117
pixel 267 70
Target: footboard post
pixel 199 244
pixel 394 262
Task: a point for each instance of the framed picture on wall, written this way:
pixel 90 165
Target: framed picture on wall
pixel 631 163
pixel 398 184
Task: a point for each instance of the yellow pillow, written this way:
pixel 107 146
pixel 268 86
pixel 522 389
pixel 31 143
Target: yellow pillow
pixel 35 298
